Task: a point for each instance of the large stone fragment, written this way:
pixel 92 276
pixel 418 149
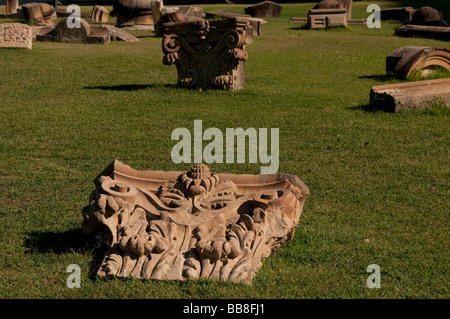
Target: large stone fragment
pixel 118 34
pixel 265 9
pixel 411 95
pixel 326 18
pixel 133 13
pixel 11 6
pixel 65 32
pixel 38 13
pixel 191 225
pixel 207 53
pixel 15 35
pixel 433 32
pixel 99 14
pixel 336 4
pixel 428 16
pixel 404 60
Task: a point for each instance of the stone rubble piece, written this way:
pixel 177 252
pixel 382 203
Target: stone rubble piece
pixel 38 13
pixel 254 28
pixel 15 36
pixel 265 9
pixel 410 95
pixel 118 34
pixel 84 34
pixel 336 4
pixel 12 6
pixel 207 53
pixel 404 60
pixel 133 14
pixel 433 32
pixel 99 14
pixel 191 225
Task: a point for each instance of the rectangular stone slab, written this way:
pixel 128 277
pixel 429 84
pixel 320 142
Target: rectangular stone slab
pixel 411 95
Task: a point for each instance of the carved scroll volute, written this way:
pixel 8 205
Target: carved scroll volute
pixel 110 204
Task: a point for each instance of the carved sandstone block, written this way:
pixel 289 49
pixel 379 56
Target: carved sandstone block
pixel 15 35
pixel 180 225
pixel 207 53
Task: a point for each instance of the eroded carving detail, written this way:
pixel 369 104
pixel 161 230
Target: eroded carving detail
pixel 179 225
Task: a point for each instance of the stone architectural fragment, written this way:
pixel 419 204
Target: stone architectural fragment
pixel 99 14
pixel 411 95
pixel 434 32
pixel 336 4
pixel 265 9
pixel 325 18
pixel 254 27
pixel 131 13
pixel 11 6
pixel 191 225
pixel 118 34
pixel 404 60
pixel 38 13
pixel 428 16
pixel 207 53
pixel 83 34
pixel 15 35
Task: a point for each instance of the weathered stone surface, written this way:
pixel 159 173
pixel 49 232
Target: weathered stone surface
pixel 410 30
pixel 15 35
pixel 132 13
pixel 118 34
pixel 84 34
pixel 402 14
pixel 11 6
pixel 255 23
pixel 265 9
pixel 207 53
pixel 38 12
pixel 428 16
pixel 191 11
pixel 99 14
pixel 325 18
pixel 336 4
pixel 191 225
pixel 404 60
pixel 411 95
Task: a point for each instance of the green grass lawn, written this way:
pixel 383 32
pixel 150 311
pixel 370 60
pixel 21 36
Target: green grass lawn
pixel 379 181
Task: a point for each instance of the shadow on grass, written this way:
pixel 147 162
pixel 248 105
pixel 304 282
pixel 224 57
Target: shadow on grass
pixel 129 87
pixel 371 108
pixel 72 241
pixel 380 77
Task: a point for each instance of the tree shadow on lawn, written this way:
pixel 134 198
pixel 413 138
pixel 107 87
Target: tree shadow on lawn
pixel 72 241
pixel 129 87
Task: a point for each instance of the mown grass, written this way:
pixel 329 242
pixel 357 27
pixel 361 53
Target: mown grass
pixel 378 181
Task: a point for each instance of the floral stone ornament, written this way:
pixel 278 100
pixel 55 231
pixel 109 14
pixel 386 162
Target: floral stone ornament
pixel 207 53
pixel 180 225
